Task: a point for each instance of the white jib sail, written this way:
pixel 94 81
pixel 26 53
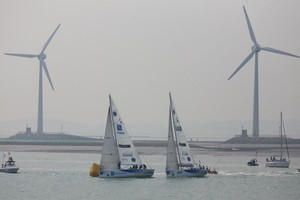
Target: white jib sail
pixel 172 161
pixel 127 152
pixel 110 157
pixel 186 159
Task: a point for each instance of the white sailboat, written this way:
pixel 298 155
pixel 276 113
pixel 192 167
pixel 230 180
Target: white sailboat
pixel 180 160
pixel 280 161
pixel 119 157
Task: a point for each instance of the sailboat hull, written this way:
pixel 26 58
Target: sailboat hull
pixel 9 169
pixel 278 164
pixel 126 173
pixel 186 173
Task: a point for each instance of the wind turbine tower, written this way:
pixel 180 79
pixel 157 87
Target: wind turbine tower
pixel 255 49
pixel 41 57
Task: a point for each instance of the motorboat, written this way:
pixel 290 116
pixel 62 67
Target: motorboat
pixel 9 166
pixel 253 162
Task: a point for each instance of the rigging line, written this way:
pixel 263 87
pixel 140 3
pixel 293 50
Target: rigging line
pixel 287 149
pixel 218 162
pixel 145 160
pixel 196 155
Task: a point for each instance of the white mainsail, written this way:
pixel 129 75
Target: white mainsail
pixel 186 158
pixel 110 157
pixel 172 161
pixel 127 152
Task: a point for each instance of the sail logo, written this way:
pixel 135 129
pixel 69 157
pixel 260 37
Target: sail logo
pixel 120 129
pixel 178 128
pixel 127 154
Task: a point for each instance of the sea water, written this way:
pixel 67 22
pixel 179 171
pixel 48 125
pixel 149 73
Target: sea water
pixel 64 176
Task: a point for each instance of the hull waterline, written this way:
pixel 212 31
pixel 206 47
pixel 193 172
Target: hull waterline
pixel 186 173
pixel 126 173
pixel 278 164
pixel 9 169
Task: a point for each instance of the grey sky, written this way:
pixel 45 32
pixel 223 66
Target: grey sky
pixel 139 50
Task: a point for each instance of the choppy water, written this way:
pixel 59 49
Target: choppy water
pixel 63 176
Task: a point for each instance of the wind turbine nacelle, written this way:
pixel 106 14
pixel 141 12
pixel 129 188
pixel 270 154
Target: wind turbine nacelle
pixel 42 56
pixel 256 48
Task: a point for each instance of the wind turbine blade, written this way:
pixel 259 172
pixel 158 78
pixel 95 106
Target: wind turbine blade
pixel 48 41
pixel 21 55
pixel 47 73
pixel 249 27
pixel 242 64
pixel 278 51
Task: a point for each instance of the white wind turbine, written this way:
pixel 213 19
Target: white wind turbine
pixel 41 57
pixel 255 49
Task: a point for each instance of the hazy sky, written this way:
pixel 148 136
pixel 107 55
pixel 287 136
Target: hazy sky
pixel 139 50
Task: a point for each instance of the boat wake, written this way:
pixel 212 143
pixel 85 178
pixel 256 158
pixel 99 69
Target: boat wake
pixel 259 174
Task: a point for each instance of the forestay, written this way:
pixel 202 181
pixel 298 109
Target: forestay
pixel 127 152
pixel 186 159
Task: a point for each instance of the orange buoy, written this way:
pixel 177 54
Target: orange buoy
pixel 94 170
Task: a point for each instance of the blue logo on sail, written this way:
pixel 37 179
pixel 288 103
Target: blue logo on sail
pixel 120 129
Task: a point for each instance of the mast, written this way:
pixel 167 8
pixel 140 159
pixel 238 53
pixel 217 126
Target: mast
pixel 280 129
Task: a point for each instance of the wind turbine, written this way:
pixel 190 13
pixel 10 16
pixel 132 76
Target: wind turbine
pixel 255 49
pixel 41 57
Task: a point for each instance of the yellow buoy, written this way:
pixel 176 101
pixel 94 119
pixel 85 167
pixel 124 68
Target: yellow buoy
pixel 94 170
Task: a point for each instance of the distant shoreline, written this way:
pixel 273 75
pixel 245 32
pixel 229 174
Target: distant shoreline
pixel 146 147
